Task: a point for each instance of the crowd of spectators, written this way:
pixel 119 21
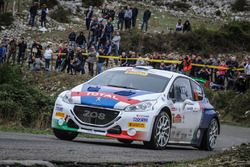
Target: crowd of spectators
pixel 75 56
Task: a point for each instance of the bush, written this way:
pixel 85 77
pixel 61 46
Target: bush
pixel 87 3
pixel 232 37
pixel 61 15
pixel 6 19
pixel 20 102
pixel 239 5
pixel 231 104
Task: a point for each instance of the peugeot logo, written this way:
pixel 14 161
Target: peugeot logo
pixel 98 99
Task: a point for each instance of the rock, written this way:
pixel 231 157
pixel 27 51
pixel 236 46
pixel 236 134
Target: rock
pixel 61 28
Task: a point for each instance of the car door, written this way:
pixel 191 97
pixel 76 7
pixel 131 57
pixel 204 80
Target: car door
pixel 183 111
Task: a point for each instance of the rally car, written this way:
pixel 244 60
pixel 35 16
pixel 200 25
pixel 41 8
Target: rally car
pixel 138 104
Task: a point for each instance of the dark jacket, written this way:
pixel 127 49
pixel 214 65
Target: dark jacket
pixel 33 9
pixel 134 12
pixel 121 15
pixel 22 47
pixel 80 40
pixel 72 36
pixel 89 14
pixel 146 15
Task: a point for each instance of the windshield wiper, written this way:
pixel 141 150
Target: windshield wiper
pixel 119 86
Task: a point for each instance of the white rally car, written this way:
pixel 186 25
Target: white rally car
pixel 138 103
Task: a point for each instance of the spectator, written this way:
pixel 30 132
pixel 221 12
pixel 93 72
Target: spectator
pixel 33 13
pixel 204 73
pixel 134 16
pixel 109 29
pixel 187 65
pixel 72 39
pixel 146 17
pixel 94 31
pixel 187 26
pixel 116 42
pixel 38 64
pixel 100 61
pixel 59 57
pixel 179 67
pixel 21 52
pixel 140 61
pixel 179 26
pixel 220 74
pixel 240 84
pixel 2 3
pixel 81 41
pixel 247 72
pixel 78 63
pixel 2 53
pixel 124 59
pixel 91 60
pixel 44 13
pixel 47 56
pixel 120 20
pixel 128 17
pixel 12 50
pixel 89 15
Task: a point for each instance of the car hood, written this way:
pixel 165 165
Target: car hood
pixel 109 97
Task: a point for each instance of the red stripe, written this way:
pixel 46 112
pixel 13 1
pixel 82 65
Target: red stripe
pixel 124 135
pixel 106 95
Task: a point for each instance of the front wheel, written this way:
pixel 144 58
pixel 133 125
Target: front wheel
pixel 210 136
pixel 64 135
pixel 160 133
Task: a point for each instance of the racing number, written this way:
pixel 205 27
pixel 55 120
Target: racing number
pixel 89 114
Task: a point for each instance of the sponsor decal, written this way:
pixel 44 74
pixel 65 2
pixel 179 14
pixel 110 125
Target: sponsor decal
pixel 177 118
pixel 142 116
pixel 190 109
pixel 58 108
pixel 136 125
pixel 60 114
pixel 133 72
pixel 100 95
pixel 173 109
pixel 135 119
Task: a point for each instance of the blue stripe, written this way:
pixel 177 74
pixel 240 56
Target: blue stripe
pixel 104 102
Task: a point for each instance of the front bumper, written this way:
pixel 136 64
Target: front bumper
pixel 127 125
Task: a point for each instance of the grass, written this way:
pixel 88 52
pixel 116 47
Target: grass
pixel 162 20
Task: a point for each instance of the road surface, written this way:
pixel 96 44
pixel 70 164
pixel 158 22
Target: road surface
pixel 20 146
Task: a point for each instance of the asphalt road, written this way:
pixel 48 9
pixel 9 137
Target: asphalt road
pixel 18 146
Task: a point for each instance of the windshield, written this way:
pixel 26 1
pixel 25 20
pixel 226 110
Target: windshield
pixel 139 80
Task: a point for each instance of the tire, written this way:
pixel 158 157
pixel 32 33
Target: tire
pixel 210 136
pixel 125 141
pixel 160 133
pixel 65 135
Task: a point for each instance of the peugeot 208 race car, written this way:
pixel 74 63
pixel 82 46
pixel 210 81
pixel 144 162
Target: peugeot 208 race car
pixel 138 103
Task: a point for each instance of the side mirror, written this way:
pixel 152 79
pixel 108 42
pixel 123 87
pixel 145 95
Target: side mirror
pixel 187 102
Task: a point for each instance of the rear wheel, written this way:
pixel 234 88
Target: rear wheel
pixel 210 136
pixel 65 135
pixel 160 133
pixel 125 141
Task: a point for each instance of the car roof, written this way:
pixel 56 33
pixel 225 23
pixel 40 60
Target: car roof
pixel 149 69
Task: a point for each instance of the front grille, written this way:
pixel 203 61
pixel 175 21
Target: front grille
pixel 95 116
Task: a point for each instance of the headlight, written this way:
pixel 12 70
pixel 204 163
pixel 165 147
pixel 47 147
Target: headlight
pixel 67 97
pixel 141 107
